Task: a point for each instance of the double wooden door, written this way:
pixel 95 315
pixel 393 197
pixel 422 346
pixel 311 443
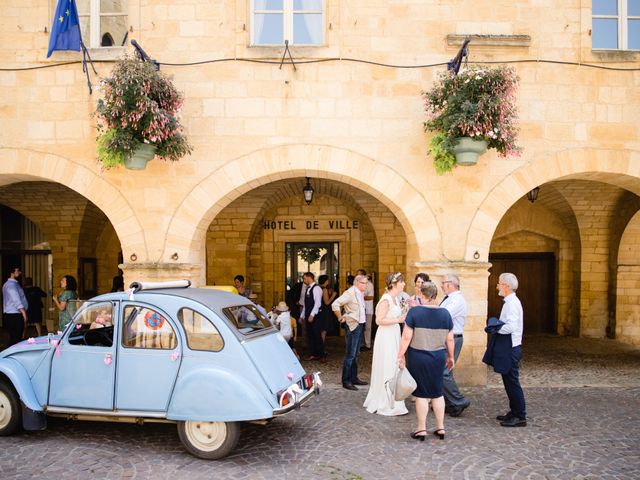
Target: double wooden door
pixel 536 290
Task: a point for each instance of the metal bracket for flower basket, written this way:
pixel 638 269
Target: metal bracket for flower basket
pixel 463 53
pixel 286 50
pixel 143 55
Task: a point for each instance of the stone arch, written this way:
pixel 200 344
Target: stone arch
pixel 548 226
pixel 187 231
pixel 627 327
pixel 615 167
pixel 19 165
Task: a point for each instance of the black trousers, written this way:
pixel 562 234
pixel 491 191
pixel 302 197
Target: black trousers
pixel 14 323
pixel 314 338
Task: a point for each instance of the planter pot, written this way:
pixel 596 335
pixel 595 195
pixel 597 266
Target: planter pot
pixel 467 150
pixel 138 160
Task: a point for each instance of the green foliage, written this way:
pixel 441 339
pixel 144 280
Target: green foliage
pixel 140 105
pixel 443 159
pixel 309 254
pixel 107 154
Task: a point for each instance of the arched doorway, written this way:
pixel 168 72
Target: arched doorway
pixel 259 233
pixel 52 231
pixel 564 248
pixel 627 312
pixel 187 237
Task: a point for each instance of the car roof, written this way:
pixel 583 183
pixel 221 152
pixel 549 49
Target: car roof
pixel 212 298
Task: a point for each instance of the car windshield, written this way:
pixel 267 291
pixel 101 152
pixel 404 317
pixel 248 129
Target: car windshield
pixel 247 318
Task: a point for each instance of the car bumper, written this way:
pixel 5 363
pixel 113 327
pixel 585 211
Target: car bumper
pixel 300 398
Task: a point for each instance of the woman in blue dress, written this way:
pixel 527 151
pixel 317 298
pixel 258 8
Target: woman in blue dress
pixel 428 339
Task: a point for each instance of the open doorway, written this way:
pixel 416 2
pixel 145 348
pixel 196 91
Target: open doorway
pixel 319 258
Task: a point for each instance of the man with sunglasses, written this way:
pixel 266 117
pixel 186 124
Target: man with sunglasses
pixel 349 308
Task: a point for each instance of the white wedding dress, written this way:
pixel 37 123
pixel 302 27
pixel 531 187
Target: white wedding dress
pixel 384 365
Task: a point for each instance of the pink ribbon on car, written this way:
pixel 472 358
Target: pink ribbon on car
pixel 56 343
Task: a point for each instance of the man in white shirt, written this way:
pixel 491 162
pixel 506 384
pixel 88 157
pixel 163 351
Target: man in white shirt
pixel 454 302
pixel 512 316
pixel 368 310
pixel 312 301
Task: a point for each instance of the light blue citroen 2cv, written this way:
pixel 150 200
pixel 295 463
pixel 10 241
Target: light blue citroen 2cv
pixel 165 352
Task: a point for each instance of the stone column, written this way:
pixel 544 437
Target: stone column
pixel 473 283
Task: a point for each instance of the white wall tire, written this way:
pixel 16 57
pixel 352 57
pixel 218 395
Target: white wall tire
pixel 10 412
pixel 209 440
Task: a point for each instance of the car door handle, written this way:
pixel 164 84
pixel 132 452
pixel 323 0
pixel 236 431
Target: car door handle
pixel 108 359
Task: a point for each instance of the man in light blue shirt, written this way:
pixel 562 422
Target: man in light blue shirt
pixel 512 317
pixel 454 302
pixel 14 307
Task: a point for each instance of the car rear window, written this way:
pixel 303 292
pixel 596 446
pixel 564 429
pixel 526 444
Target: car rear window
pixel 247 318
pixel 201 333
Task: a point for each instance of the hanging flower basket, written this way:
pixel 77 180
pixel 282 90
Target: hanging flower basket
pixel 478 103
pixel 141 155
pixel 467 150
pixel 140 110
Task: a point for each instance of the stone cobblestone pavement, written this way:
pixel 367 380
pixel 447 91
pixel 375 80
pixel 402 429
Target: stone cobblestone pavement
pixel 582 400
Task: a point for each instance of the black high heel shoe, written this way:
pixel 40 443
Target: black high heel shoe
pixel 415 435
pixel 439 433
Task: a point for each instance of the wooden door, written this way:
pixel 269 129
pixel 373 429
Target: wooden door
pixel 536 290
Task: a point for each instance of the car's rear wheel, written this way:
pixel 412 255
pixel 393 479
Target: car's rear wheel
pixel 209 440
pixel 9 410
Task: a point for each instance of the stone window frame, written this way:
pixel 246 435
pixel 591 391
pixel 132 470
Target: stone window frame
pixel 331 47
pixel 599 56
pixel 622 16
pixel 288 11
pixel 96 51
pixel 96 14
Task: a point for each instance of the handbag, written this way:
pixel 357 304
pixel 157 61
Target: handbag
pixel 403 384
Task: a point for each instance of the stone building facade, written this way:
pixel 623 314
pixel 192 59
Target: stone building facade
pixel 348 117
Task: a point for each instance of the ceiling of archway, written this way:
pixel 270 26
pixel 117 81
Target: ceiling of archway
pixel 563 196
pixel 273 193
pixel 625 182
pixel 47 203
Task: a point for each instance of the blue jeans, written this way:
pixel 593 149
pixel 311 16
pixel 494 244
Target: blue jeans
pixel 352 349
pixel 512 386
pixel 452 395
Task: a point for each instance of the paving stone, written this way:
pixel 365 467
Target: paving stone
pixel 583 424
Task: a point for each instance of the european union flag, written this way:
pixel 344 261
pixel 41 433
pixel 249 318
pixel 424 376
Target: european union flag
pixel 65 31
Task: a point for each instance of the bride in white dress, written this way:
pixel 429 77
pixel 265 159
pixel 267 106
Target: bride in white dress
pixel 389 316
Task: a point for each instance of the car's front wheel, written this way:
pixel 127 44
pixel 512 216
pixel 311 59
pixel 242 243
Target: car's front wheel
pixel 9 410
pixel 209 440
